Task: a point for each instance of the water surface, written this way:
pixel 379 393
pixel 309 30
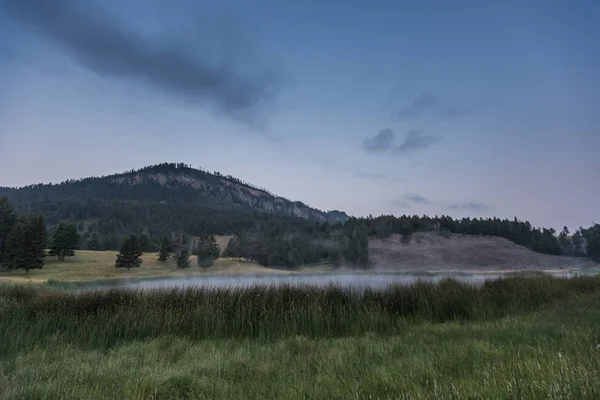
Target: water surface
pixel 349 280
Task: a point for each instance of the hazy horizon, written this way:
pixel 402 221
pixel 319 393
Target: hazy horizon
pixel 466 109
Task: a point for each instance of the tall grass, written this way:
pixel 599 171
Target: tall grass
pixel 103 318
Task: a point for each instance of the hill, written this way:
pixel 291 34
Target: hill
pixel 168 183
pixel 430 251
pixel 158 200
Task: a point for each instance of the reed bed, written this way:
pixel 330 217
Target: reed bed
pixel 104 318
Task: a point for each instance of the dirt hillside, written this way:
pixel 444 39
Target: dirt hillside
pixel 431 251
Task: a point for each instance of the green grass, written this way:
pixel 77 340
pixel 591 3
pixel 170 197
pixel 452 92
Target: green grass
pixel 521 338
pixel 89 266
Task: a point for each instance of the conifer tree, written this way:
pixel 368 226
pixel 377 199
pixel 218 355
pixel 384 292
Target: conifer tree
pixel 207 251
pixel 64 241
pixel 129 256
pixel 183 260
pixel 26 244
pixel 8 219
pixel 593 245
pixel 165 249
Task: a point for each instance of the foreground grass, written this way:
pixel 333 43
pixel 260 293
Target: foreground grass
pixel 522 338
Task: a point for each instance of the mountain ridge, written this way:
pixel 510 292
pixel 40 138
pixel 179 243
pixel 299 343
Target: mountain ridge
pixel 173 183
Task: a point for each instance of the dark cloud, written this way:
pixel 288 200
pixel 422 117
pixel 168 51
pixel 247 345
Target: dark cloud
pixel 428 105
pixel 418 105
pixel 382 142
pixel 469 206
pixel 103 46
pixel 415 198
pixel 409 199
pixel 417 140
pixel 375 176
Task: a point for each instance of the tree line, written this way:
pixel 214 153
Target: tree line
pixel 24 240
pixel 205 249
pixel 270 239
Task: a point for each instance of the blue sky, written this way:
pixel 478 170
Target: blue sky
pixel 466 108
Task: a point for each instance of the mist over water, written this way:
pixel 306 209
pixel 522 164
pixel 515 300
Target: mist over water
pixel 346 280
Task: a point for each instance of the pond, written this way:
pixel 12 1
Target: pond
pixel 350 280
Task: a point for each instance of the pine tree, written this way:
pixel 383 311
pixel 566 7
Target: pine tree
pixel 8 219
pixel 144 242
pixel 183 261
pixel 38 236
pixel 565 241
pixel 129 256
pixel 180 243
pixel 593 245
pixel 64 241
pixel 577 241
pixel 207 251
pixel 165 249
pixel 26 244
pixel 16 256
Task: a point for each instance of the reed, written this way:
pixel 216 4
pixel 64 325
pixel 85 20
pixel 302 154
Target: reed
pixel 104 318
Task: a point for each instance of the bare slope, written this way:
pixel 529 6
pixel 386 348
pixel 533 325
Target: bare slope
pixel 431 251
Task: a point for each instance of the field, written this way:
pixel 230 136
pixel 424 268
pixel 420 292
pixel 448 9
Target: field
pixel 99 265
pixel 521 338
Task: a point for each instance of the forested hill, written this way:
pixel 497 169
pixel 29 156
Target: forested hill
pixel 159 199
pixel 167 183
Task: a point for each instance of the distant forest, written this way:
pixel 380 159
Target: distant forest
pixel 164 200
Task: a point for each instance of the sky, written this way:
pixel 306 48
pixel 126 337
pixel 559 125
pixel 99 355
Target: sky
pixel 461 108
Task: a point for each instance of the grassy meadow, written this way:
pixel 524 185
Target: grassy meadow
pixel 98 265
pixel 519 337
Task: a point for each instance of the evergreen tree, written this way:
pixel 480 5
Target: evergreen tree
pixel 165 249
pixel 358 249
pixel 593 243
pixel 207 251
pixel 183 260
pixel 8 219
pixel 144 242
pixel 93 242
pixel 26 244
pixel 577 241
pixel 64 241
pixel 566 244
pixel 180 243
pixel 232 249
pixel 406 230
pixel 39 241
pixel 129 256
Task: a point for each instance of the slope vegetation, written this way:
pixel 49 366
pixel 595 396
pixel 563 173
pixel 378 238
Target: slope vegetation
pixel 429 251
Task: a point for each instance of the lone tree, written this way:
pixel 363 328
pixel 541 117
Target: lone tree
pixel 64 241
pixel 207 251
pixel 166 249
pixel 183 260
pixel 129 256
pixel 26 244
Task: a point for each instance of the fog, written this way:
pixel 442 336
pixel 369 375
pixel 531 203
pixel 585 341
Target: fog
pixel 346 280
